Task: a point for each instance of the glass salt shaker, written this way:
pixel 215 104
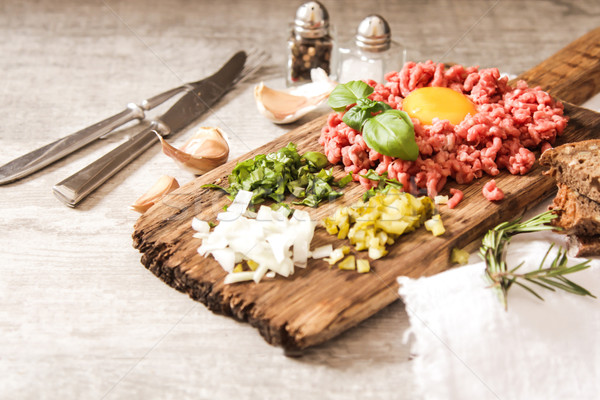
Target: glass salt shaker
pixel 372 54
pixel 310 44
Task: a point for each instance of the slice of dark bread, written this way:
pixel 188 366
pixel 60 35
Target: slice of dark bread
pixel 577 214
pixel 584 246
pixel 576 165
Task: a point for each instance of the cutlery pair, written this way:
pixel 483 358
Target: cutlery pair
pixel 198 98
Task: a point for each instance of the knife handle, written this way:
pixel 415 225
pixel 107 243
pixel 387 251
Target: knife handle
pixel 76 187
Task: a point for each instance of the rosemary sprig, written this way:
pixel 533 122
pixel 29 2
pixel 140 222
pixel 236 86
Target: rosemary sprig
pixel 493 252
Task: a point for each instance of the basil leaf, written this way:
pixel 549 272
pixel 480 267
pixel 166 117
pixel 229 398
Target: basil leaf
pixel 310 201
pixel 374 176
pixel 348 93
pixel 315 160
pixel 368 194
pixel 273 175
pixel 372 105
pixel 384 184
pixel 278 206
pixel 362 111
pixel 391 133
pixel 325 174
pixel 366 103
pixel 381 106
pixel 321 188
pixel 382 180
pixel 213 186
pixel 356 117
pixel 393 183
pixel 297 190
pixel 344 181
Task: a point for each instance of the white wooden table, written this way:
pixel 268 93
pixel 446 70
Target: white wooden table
pixel 79 315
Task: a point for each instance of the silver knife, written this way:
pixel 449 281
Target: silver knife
pixel 38 159
pixel 193 104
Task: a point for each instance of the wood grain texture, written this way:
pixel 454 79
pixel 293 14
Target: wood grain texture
pixel 318 303
pixel 573 73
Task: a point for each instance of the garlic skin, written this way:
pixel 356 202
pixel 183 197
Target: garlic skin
pixel 163 186
pixel 207 149
pixel 289 105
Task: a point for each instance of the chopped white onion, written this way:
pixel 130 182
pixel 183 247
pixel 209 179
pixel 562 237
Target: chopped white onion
pixel 234 277
pixel 272 240
pixel 241 202
pixel 225 257
pixel 260 272
pixel 322 251
pixel 439 199
pixel 237 208
pixel 200 226
pixel 249 214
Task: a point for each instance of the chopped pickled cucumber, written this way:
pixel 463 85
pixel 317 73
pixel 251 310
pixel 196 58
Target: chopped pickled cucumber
pixel 373 224
pixel 252 265
pixel 363 266
pixel 335 256
pixel 435 225
pixel 347 263
pixel 459 256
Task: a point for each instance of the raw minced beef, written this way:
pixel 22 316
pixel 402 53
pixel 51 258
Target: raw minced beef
pixel 508 125
pixel 457 196
pixel 492 192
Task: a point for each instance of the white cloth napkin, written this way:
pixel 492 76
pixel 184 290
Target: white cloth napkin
pixel 466 346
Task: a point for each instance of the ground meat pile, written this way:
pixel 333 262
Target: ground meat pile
pixel 509 124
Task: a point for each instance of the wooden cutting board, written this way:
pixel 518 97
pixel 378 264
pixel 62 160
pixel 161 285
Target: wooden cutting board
pixel 318 303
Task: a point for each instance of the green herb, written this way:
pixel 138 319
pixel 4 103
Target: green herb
pixel 389 132
pixel 278 206
pixel 392 133
pixel 315 159
pixel 213 186
pixel 273 175
pixel 344 181
pixel 364 109
pixel 318 188
pixel 345 94
pixel 384 184
pixel 493 252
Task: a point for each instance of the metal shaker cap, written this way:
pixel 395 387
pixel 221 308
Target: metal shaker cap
pixel 312 20
pixel 374 34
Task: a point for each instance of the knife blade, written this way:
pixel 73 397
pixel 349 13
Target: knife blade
pixel 187 109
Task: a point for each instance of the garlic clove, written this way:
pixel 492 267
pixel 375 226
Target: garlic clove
pixel 289 105
pixel 280 104
pixel 163 186
pixel 207 149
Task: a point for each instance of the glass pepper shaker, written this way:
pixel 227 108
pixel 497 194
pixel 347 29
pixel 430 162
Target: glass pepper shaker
pixel 372 54
pixel 310 43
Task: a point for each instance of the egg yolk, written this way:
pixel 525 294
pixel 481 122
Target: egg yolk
pixel 428 103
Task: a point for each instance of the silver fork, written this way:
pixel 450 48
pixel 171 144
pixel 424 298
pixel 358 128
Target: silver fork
pixel 76 187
